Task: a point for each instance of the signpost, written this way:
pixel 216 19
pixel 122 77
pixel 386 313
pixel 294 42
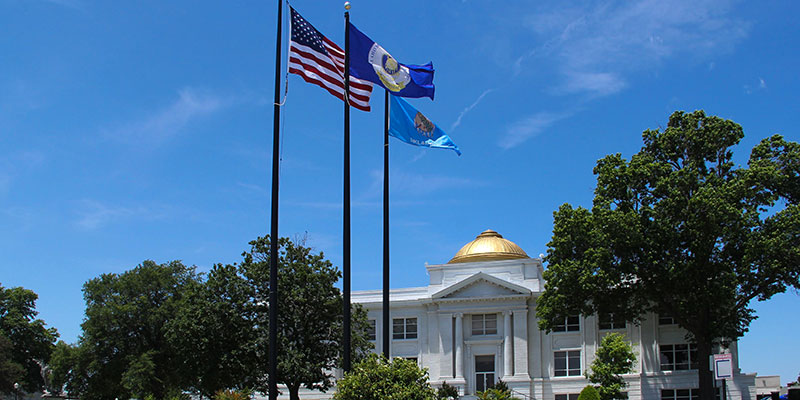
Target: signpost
pixel 723 370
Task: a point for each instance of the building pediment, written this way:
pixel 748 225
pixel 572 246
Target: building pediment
pixel 481 286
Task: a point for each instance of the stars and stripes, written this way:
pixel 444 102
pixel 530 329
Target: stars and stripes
pixel 321 62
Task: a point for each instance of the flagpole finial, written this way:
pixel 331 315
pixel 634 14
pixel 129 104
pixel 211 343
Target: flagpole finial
pixel 346 5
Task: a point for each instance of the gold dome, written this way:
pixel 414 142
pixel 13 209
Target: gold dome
pixel 488 246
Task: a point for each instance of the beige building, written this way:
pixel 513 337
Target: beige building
pixel 476 323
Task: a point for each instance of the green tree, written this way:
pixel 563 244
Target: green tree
pixel 215 332
pixel 375 377
pixel 678 230
pixel 615 357
pixel 67 370
pixel 10 371
pixel 124 350
pixel 309 314
pixel 589 393
pixel 25 342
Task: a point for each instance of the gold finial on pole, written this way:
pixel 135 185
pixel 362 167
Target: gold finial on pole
pixel 347 5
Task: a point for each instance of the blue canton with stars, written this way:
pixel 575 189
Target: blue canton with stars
pixel 305 34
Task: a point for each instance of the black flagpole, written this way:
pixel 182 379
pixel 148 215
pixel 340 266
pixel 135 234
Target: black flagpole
pixel 273 238
pixel 386 350
pixel 346 199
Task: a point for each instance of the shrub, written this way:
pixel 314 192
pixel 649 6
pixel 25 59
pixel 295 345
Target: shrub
pixel 499 391
pixel 378 378
pixel 589 393
pixel 233 395
pixel 447 392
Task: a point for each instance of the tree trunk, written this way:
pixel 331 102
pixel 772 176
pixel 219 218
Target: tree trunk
pixel 294 391
pixel 705 376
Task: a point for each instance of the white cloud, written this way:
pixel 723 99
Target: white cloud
pixel 93 214
pixel 469 108
pixel 416 185
pixel 96 215
pixel 258 189
pixel 529 127
pixel 168 122
pixel 762 85
pixel 420 154
pixel 594 83
pixel 14 164
pixel 594 45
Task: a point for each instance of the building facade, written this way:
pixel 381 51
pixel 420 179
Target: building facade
pixel 475 323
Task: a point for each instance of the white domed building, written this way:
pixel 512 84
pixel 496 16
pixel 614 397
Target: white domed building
pixel 475 323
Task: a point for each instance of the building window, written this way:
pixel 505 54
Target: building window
pixel 608 321
pixel 371 329
pixel 484 324
pixel 571 324
pixel 686 394
pixel 404 328
pixel 574 396
pixel 567 363
pixel 680 394
pixel 484 372
pixel 666 320
pixel 568 396
pixel 676 357
pixel 414 359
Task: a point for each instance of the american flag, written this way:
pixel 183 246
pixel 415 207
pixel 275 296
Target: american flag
pixel 321 62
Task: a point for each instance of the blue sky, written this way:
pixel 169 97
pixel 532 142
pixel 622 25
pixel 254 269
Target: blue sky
pixel 142 130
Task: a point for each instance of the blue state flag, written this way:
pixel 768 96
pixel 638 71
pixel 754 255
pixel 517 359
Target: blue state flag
pixel 410 126
pixel 369 61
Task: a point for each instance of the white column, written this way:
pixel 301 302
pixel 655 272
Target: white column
pixel 446 345
pixel 508 349
pixel 459 344
pixel 422 334
pixel 521 343
pixel 434 350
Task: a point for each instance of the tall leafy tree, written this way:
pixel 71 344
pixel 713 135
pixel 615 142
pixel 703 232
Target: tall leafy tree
pixel 309 314
pixel 124 347
pixel 25 341
pixel 679 230
pixel 615 357
pixel 67 370
pixel 215 332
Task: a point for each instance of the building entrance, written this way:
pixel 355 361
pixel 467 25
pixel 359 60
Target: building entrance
pixel 484 372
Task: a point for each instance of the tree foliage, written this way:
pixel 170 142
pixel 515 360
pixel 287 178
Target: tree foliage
pixel 309 314
pixel 25 341
pixel 10 371
pixel 589 393
pixel 125 350
pixel 67 370
pixel 161 329
pixel 233 395
pixel 375 377
pixel 499 391
pixel 215 333
pixel 678 230
pixel 614 357
pixel 447 392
